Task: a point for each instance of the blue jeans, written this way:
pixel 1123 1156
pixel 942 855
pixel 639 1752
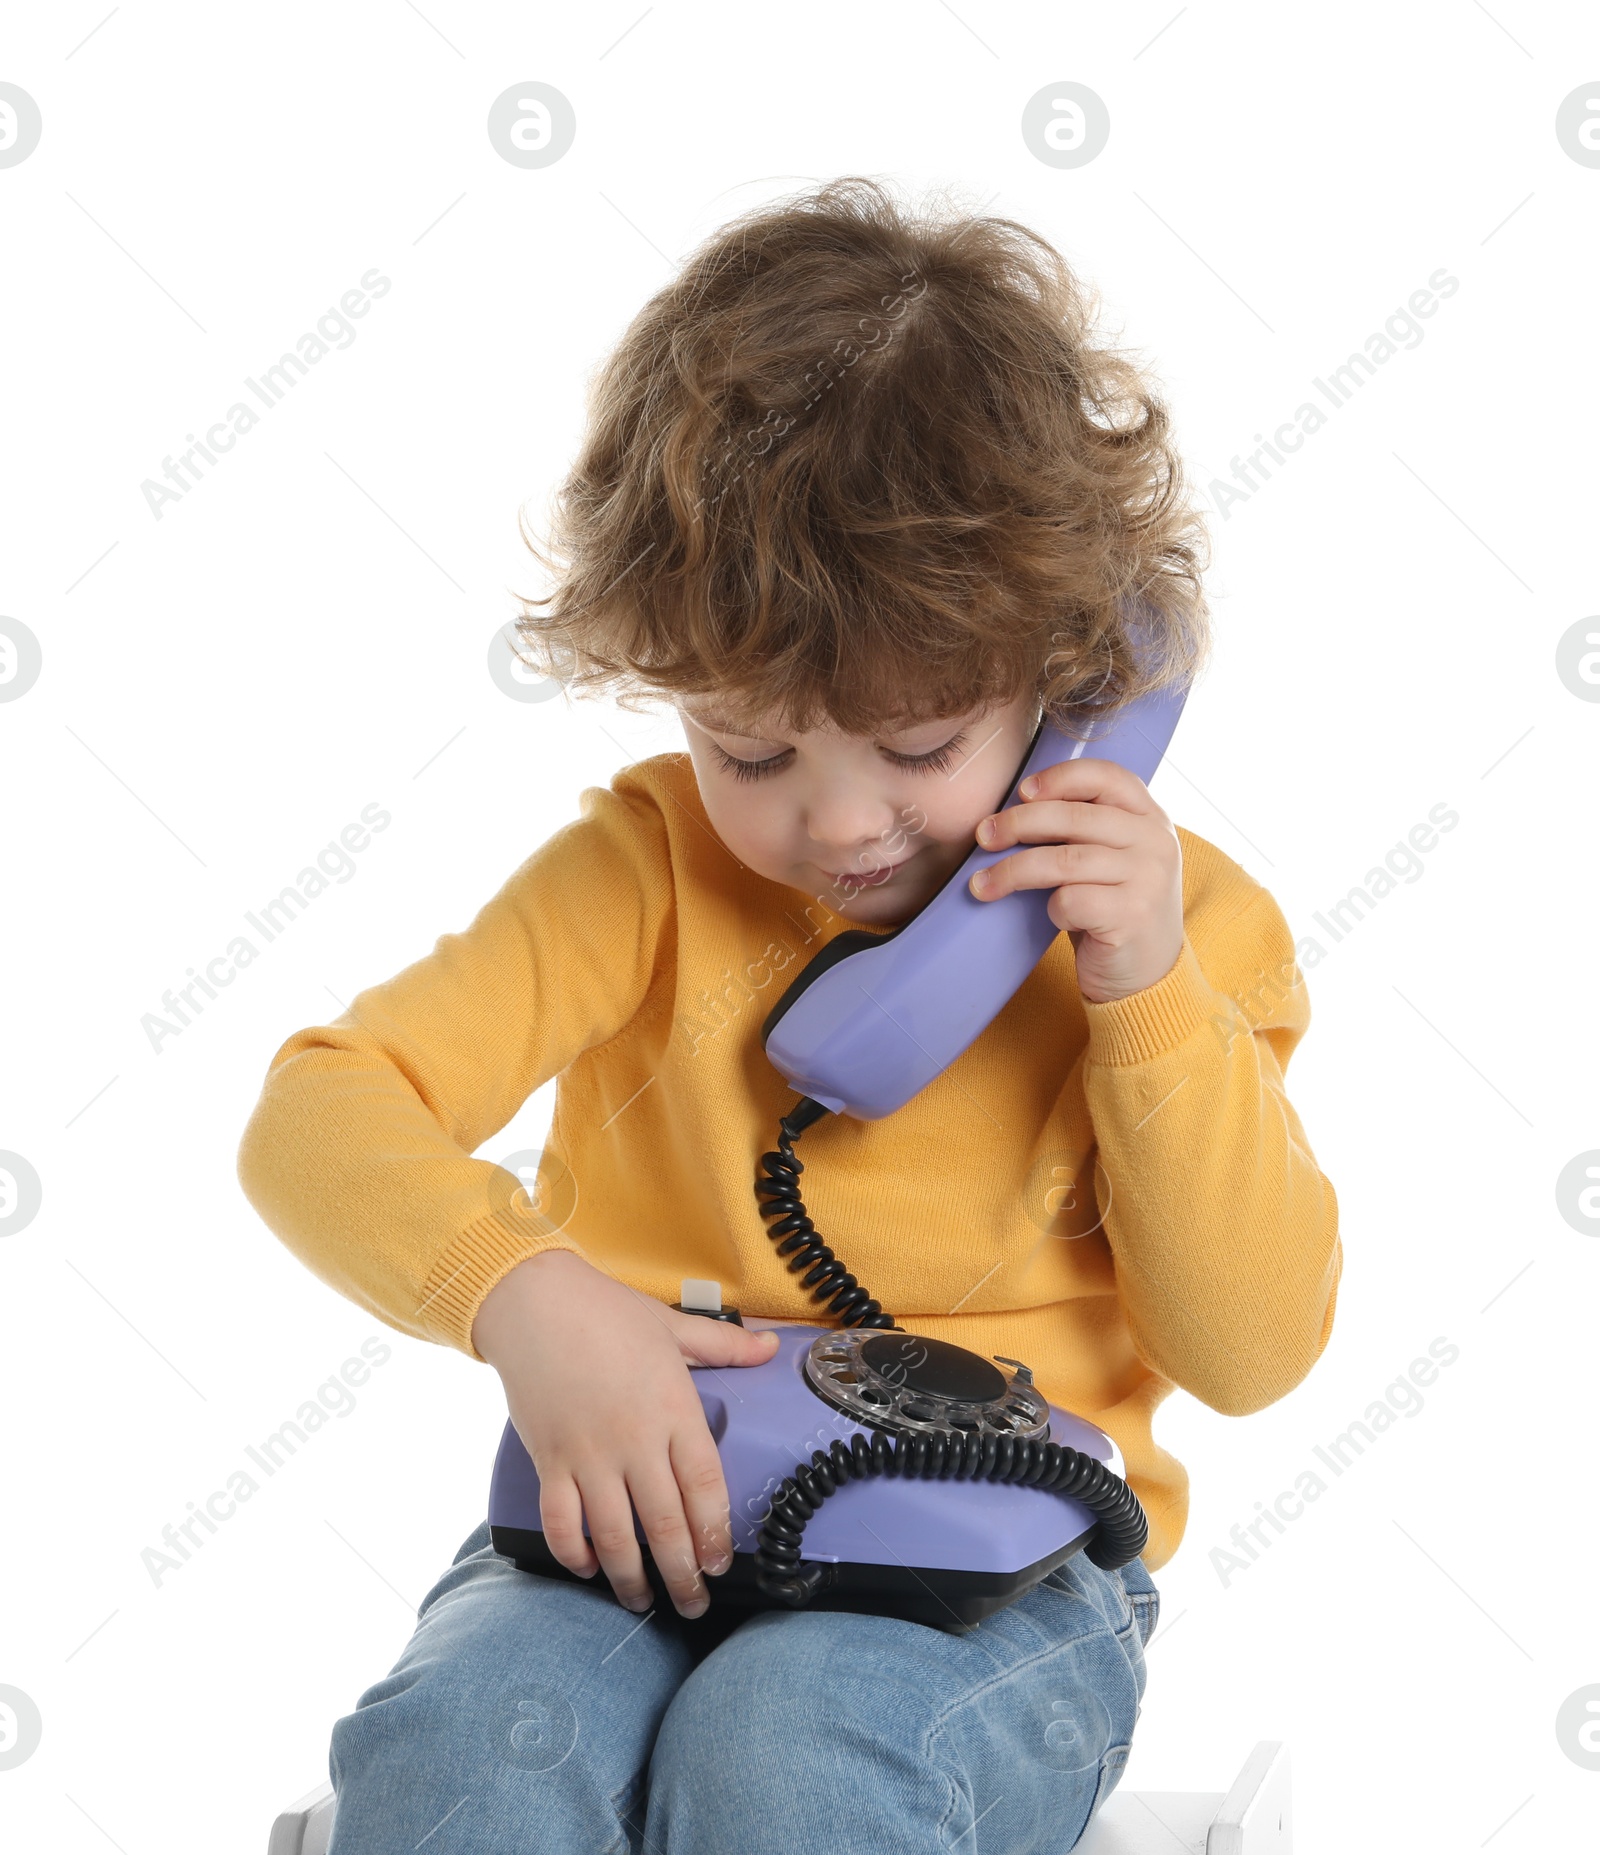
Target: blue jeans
pixel 533 1713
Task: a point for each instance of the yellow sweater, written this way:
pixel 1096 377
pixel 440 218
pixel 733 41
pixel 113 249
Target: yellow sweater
pixel 1120 1195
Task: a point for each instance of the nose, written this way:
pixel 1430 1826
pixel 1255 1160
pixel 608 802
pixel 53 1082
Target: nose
pixel 850 825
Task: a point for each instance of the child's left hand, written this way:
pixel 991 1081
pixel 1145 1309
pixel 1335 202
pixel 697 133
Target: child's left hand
pixel 1112 857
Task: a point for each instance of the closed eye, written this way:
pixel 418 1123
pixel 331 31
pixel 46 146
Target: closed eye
pixel 935 761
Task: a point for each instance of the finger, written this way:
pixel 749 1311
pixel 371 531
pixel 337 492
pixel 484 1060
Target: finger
pixel 615 1542
pixel 1055 821
pixel 1049 866
pixel 561 1517
pixel 656 1494
pixel 1086 908
pixel 1088 778
pixel 705 1342
pixel 704 1488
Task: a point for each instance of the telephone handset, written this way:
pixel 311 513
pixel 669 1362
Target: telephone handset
pixel 875 1017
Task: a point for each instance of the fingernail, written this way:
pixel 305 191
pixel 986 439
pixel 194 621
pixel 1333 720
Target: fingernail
pixel 695 1610
pixel 717 1566
pixel 980 880
pixel 986 831
pixel 1028 787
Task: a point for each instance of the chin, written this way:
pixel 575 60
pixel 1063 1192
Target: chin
pixel 866 907
pixel 874 912
pixel 879 908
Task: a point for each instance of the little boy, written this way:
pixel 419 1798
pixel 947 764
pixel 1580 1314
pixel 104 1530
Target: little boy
pixel 863 498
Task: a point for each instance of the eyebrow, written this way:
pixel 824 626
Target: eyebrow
pixel 719 724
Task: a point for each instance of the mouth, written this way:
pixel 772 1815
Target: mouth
pixel 866 879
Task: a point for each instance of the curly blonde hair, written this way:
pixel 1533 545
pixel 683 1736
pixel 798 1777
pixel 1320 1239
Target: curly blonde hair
pixel 871 465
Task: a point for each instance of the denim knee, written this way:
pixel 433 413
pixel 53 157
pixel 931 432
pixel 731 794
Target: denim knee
pixel 523 1710
pixel 867 1734
pixel 803 1730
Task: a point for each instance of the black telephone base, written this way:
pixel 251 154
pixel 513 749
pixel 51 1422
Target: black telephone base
pixel 955 1602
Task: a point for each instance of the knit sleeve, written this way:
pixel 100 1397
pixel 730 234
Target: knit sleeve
pixel 1222 1226
pixel 358 1152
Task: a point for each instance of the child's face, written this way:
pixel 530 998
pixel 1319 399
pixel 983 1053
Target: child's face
pixel 846 818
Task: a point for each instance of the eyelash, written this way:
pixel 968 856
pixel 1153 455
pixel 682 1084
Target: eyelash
pixel 934 762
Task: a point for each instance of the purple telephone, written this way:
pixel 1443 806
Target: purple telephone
pixel 883 1413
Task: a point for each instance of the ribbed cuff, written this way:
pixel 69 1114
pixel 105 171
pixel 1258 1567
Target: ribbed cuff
pixel 1152 1022
pixel 488 1249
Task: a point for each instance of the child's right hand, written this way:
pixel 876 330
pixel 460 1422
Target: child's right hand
pixel 597 1384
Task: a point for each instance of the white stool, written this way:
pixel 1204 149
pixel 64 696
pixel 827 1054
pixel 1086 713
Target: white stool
pixel 1252 1819
pixel 304 1828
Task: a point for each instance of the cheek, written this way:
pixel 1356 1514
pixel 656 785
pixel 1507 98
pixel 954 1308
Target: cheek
pixel 751 828
pixel 948 816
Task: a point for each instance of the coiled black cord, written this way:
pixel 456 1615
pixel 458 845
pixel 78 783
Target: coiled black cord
pixel 941 1455
pixel 796 1236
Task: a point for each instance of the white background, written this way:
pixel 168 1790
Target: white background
pixel 307 633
